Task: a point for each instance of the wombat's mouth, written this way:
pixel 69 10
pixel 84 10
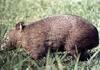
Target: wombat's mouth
pixel 3 44
pixel 7 46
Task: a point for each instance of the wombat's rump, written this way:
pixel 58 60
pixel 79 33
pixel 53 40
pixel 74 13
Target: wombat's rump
pixel 72 33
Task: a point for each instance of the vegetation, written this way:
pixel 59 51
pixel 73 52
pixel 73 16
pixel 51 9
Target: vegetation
pixel 13 11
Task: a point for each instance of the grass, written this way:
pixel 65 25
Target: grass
pixel 13 11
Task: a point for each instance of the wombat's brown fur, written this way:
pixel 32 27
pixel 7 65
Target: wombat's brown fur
pixel 72 33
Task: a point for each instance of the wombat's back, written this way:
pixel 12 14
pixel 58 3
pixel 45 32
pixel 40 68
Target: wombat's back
pixel 72 29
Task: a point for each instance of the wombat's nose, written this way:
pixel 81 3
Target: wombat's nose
pixel 3 46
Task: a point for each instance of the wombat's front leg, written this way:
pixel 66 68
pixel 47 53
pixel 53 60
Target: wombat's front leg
pixel 72 49
pixel 37 52
pixel 73 52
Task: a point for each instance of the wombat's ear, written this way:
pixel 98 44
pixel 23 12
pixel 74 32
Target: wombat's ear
pixel 20 26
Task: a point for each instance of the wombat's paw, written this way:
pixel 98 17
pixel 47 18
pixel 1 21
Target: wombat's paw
pixel 84 56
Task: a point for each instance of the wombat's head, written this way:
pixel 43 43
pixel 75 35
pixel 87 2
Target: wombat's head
pixel 15 35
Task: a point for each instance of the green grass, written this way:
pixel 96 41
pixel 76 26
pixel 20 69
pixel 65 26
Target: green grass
pixel 13 11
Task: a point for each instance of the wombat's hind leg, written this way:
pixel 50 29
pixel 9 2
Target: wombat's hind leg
pixel 75 53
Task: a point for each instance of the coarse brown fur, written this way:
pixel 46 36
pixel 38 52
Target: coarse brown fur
pixel 72 33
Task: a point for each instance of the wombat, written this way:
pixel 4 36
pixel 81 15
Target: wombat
pixel 64 32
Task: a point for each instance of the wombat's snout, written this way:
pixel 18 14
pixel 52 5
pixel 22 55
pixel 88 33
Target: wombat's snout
pixel 3 46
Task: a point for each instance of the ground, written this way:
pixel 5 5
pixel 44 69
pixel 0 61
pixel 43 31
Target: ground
pixel 13 11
